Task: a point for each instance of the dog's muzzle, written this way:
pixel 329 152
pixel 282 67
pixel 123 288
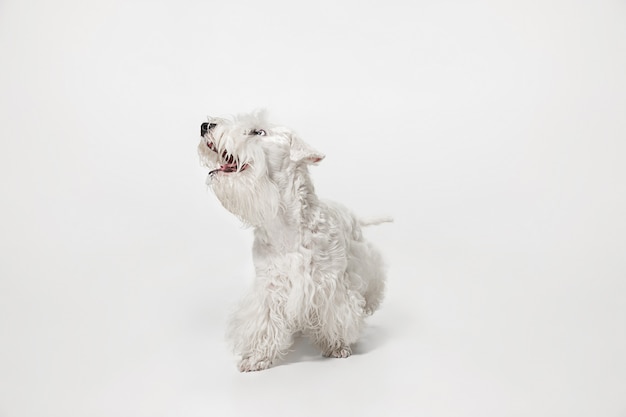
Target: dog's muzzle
pixel 229 162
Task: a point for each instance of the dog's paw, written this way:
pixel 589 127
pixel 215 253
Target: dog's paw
pixel 341 352
pixel 253 364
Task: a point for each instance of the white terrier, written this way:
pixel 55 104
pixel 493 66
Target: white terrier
pixel 315 274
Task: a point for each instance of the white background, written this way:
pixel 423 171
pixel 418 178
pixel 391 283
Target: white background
pixel 493 131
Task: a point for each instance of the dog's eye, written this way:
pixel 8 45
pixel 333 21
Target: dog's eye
pixel 258 132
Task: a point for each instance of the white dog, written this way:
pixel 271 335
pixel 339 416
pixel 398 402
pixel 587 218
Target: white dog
pixel 315 274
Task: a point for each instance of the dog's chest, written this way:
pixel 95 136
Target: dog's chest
pixel 279 237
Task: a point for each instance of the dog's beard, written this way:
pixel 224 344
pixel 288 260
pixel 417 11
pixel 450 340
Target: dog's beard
pixel 254 199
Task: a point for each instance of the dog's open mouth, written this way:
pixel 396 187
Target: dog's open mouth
pixel 230 162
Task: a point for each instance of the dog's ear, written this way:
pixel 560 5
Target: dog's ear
pixel 300 151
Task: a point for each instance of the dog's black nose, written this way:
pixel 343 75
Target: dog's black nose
pixel 205 127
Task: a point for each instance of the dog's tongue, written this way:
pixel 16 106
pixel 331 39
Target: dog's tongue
pixel 225 168
pixel 228 168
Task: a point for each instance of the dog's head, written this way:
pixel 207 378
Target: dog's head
pixel 251 162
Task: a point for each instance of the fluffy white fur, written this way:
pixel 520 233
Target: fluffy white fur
pixel 315 273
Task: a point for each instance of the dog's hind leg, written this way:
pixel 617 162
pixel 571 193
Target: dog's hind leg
pixel 367 264
pixel 338 350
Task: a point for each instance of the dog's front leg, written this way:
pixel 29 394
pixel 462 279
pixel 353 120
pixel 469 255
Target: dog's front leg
pixel 260 330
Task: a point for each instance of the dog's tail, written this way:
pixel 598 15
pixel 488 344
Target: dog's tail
pixel 373 221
